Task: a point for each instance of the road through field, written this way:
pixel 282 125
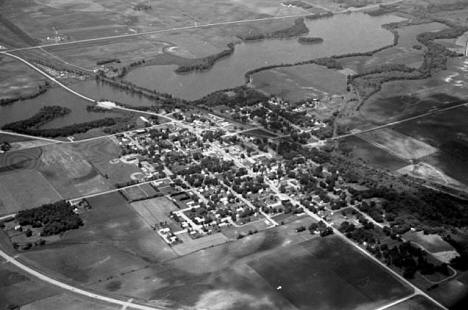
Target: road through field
pixel 73 289
pixel 196 26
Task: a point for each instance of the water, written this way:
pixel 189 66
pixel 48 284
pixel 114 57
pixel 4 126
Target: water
pixel 342 34
pixel 55 96
pixel 99 90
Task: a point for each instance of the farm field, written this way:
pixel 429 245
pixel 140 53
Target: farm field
pixel 447 131
pixel 103 154
pixel 398 144
pixel 104 255
pixel 25 189
pixel 17 289
pixel 139 192
pixel 113 244
pixel 69 172
pixel 300 82
pixel 17 79
pixel 156 210
pixel 323 265
pixel 371 154
pixel 68 301
pixel 89 18
pixel 416 303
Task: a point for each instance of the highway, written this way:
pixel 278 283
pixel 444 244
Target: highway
pixel 48 76
pixel 28 136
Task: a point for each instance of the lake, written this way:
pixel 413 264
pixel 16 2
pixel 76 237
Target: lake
pixel 342 34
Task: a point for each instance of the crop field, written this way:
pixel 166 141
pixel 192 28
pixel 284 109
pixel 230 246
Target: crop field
pixel 17 79
pixel 139 192
pixel 113 242
pixel 122 255
pixel 69 172
pixel 416 303
pixel 324 266
pixel 190 245
pixel 402 146
pixel 103 155
pixel 448 132
pixel 90 18
pixel 300 82
pixel 24 189
pixel 68 301
pixel 374 156
pixel 126 50
pixel 156 210
pixel 18 289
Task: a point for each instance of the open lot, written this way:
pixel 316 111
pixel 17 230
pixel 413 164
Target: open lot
pixel 24 189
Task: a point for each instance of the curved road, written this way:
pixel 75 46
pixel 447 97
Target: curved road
pixel 73 289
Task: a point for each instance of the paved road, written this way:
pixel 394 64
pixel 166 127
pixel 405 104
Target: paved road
pixel 113 190
pixel 28 136
pixel 196 26
pixel 70 288
pixel 130 35
pixel 49 76
pixel 396 302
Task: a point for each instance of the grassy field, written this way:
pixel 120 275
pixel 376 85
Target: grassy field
pixel 374 156
pixel 24 189
pixel 69 302
pixel 69 172
pixel 17 79
pixel 114 242
pixel 117 252
pixel 139 192
pixel 402 146
pixel 103 155
pixel 416 303
pixel 19 289
pixel 300 82
pixel 156 210
pixel 329 266
pixel 448 132
pixel 432 243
